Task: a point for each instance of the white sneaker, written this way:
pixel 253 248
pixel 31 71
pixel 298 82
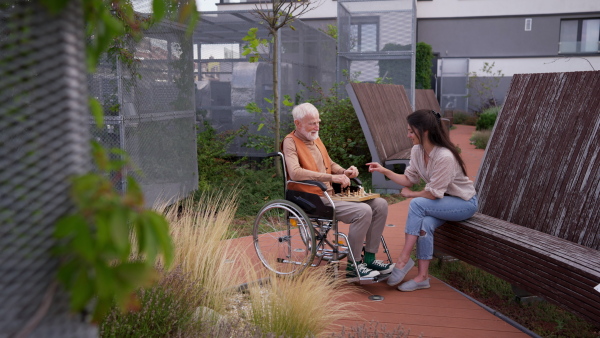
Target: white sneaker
pixel 363 271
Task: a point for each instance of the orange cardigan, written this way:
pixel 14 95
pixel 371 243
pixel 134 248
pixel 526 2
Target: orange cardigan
pixel 307 161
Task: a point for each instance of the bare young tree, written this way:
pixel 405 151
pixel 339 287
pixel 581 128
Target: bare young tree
pixel 275 15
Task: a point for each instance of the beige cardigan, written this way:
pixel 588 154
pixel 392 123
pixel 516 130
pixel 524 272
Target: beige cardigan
pixel 442 175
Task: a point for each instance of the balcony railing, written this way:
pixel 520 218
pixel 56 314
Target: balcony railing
pixel 578 47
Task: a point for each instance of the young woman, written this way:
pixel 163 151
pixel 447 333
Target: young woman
pixel 449 195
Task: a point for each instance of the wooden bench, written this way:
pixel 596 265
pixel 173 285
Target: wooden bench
pixel 382 110
pixel 425 99
pixel 538 225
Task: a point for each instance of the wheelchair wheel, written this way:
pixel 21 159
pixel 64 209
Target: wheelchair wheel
pixel 283 237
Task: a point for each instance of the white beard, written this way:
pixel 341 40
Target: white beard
pixel 309 136
pixel 312 136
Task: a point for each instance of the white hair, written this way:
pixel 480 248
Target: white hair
pixel 304 109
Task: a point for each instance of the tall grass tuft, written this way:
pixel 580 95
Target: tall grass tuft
pixel 480 138
pixel 302 306
pixel 198 230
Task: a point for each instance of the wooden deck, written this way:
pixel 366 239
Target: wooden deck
pixel 436 312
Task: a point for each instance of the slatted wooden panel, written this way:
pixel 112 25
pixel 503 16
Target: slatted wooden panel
pixel 425 99
pixel 562 272
pixel 542 166
pixel 385 107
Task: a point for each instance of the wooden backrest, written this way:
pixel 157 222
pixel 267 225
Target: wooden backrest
pixel 541 169
pixel 425 99
pixel 382 110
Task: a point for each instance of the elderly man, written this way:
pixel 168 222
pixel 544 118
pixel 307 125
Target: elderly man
pixel 306 158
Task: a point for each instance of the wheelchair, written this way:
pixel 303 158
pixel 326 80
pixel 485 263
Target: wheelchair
pixel 299 231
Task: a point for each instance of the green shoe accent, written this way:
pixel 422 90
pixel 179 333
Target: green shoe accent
pixel 369 257
pixel 350 265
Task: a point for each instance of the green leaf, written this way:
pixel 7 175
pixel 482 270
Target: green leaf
pixel 119 232
pixel 82 291
pixel 54 6
pixel 83 244
pixel 150 242
pixel 269 100
pixel 260 126
pixel 252 107
pixel 287 102
pixel 160 226
pixel 134 195
pixel 68 225
pixel 96 109
pixel 135 274
pixel 158 9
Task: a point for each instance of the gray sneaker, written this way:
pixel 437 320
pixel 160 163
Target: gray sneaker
pixel 411 285
pixel 398 274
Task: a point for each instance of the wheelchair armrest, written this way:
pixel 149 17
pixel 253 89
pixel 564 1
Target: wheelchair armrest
pixel 321 185
pixel 356 180
pixel 303 203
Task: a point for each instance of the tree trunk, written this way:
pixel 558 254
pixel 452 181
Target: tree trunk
pixel 276 113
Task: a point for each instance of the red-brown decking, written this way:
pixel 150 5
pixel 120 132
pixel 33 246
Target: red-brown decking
pixel 436 312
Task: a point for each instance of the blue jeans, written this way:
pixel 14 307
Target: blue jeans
pixel 425 215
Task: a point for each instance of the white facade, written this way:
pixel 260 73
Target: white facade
pixel 479 8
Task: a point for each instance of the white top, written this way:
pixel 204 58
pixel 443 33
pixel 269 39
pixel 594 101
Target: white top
pixel 442 174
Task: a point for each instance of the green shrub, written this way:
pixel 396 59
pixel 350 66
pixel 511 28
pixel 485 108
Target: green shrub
pixel 340 129
pixel 165 310
pixel 423 73
pixel 460 117
pixel 214 163
pixel 487 119
pixel 480 138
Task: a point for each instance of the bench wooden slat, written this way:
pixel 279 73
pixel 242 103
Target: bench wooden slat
pixel 425 99
pixel 385 108
pixel 503 254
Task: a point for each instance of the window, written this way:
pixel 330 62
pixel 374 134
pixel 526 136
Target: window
pixel 528 25
pixel 579 36
pixel 364 36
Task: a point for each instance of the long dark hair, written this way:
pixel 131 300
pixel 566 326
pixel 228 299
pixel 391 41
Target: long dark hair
pixel 427 120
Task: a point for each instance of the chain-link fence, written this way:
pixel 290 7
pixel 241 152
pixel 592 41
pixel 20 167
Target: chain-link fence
pixel 377 42
pixel 43 142
pixel 149 105
pixel 226 82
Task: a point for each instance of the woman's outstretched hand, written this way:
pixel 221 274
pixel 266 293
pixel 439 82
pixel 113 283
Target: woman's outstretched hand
pixel 374 166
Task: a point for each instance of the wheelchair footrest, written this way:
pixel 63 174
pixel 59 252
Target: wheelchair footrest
pixel 368 280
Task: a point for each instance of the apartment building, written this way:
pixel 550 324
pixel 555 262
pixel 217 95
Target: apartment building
pixel 504 37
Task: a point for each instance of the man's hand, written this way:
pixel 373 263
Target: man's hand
pixel 341 179
pixel 351 172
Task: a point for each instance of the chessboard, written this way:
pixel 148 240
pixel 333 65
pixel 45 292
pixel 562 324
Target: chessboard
pixel 354 196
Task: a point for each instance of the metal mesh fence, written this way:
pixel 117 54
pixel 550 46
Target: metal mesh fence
pixel 453 85
pixel 43 141
pixel 377 42
pixel 226 82
pixel 150 108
